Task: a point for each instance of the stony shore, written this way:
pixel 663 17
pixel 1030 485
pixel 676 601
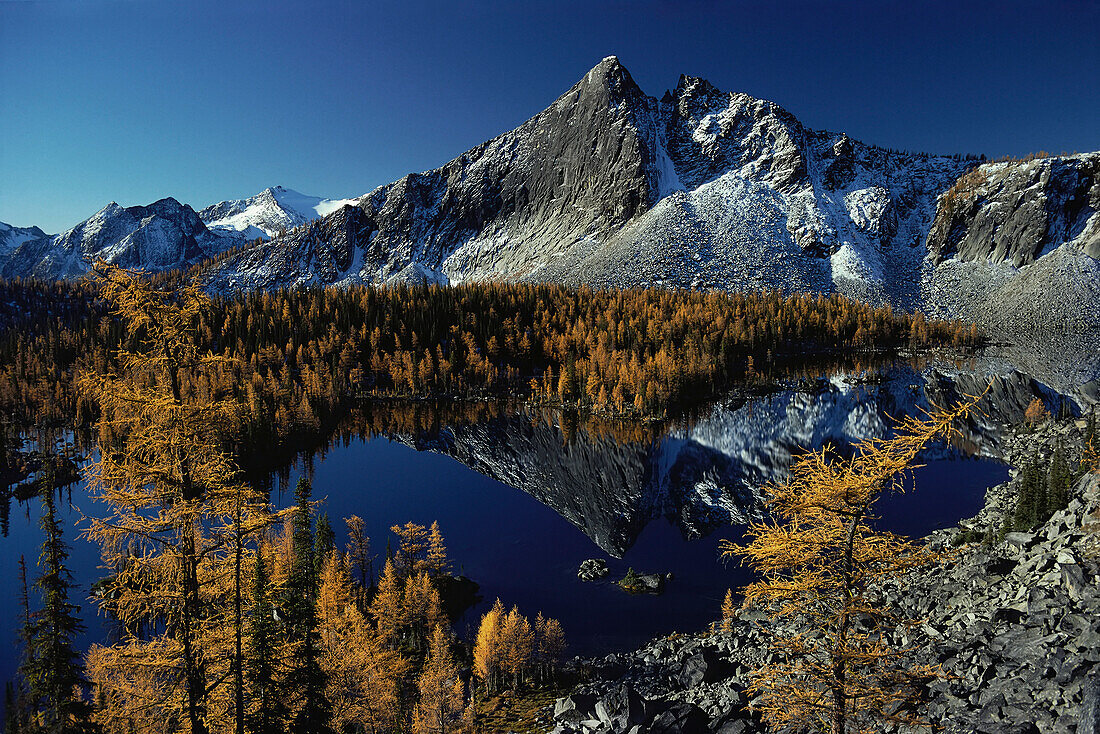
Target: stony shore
pixel 1015 627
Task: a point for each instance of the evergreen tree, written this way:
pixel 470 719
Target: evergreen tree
pixel 324 541
pixel 260 662
pixel 305 674
pixel 1026 511
pixel 359 557
pixel 15 708
pixel 52 669
pixel 1058 482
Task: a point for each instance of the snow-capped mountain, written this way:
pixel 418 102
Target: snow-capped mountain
pixel 161 236
pixel 268 213
pixel 709 189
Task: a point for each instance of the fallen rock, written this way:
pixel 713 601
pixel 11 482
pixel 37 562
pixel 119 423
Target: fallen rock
pixel 680 718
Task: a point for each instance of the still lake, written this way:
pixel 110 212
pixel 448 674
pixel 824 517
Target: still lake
pixel 523 499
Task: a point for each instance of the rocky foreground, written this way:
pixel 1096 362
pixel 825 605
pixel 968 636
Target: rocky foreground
pixel 1014 625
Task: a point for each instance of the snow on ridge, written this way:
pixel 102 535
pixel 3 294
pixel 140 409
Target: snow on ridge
pixel 269 212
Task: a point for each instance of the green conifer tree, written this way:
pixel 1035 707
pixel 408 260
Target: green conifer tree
pixel 305 674
pixel 1027 507
pixel 324 541
pixel 1058 481
pixel 261 668
pixel 52 668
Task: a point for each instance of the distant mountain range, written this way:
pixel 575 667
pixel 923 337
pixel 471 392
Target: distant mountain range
pixel 700 189
pixel 161 236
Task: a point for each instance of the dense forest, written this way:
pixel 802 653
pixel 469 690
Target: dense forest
pixel 224 613
pixel 300 359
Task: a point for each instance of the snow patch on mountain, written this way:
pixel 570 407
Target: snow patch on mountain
pixel 268 213
pixel 13 237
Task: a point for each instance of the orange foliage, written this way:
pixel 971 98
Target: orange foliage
pixel 822 568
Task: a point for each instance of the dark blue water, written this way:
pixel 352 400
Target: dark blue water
pixel 518 548
pixel 525 553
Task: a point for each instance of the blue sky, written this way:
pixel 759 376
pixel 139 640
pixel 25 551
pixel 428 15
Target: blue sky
pixel 132 101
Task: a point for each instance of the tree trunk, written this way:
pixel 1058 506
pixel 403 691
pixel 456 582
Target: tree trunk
pixel 238 672
pixel 193 673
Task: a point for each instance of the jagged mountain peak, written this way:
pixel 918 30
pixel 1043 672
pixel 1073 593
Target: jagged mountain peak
pixel 688 85
pixel 169 207
pixel 607 82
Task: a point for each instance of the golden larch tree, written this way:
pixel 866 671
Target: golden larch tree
pixel 487 649
pixel 821 566
pixel 440 706
pixel 173 539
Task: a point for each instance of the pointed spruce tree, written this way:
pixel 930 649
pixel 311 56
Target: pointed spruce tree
pixel 52 669
pixel 305 676
pixel 261 666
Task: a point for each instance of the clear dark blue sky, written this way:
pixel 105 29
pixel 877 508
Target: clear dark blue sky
pixel 131 101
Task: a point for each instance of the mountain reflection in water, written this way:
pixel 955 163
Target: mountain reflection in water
pixel 701 474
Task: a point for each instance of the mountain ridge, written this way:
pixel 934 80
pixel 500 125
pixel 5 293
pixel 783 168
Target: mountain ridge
pixel 163 235
pixel 703 189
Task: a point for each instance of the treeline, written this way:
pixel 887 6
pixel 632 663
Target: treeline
pixel 298 359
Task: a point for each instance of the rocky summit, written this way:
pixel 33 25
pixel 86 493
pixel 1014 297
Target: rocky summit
pixel 1014 626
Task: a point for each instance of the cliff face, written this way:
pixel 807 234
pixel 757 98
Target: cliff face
pixel 1016 212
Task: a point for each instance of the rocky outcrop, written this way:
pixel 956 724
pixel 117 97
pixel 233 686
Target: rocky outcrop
pixel 592 569
pixel 1014 212
pixel 1015 627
